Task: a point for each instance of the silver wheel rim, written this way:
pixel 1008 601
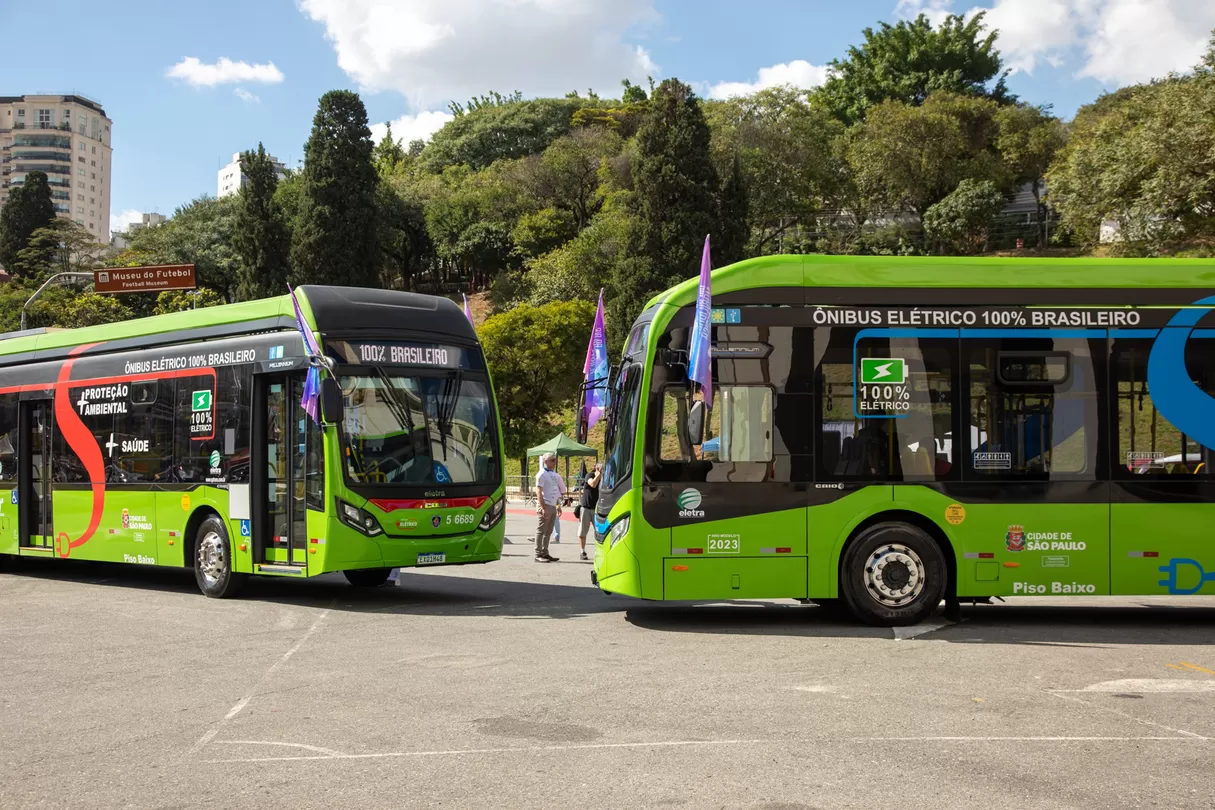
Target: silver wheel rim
pixel 212 558
pixel 894 575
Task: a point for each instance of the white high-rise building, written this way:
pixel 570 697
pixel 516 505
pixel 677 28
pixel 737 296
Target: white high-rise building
pixel 67 138
pixel 232 180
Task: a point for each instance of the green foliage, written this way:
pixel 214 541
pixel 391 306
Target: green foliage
pixel 470 217
pixel 69 307
pixel 388 156
pixel 1028 141
pixel 909 157
pixel 910 61
pixel 171 301
pixel 538 232
pixel 676 200
pixel 566 176
pixel 633 94
pixel 29 208
pixel 403 238
pixel 261 239
pixel 1144 159
pixel 590 261
pixel 334 241
pixel 202 233
pixel 788 155
pixel 735 209
pixel 536 355
pixel 484 134
pixel 961 220
pixel 62 246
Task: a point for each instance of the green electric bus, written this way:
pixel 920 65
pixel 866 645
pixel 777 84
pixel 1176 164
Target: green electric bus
pixel 180 440
pixel 888 433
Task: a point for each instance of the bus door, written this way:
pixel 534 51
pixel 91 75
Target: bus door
pixel 280 531
pixel 1034 501
pixel 34 475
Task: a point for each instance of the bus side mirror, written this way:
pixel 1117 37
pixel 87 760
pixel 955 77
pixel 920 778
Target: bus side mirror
pixel 696 423
pixel 331 400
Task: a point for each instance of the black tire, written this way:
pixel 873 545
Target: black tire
pixel 213 561
pixel 893 575
pixel 367 577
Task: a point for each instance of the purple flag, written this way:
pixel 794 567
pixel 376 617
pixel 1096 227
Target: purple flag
pixel 311 399
pixel 595 370
pixel 700 368
pixel 467 314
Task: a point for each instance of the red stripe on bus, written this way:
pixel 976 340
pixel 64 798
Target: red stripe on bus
pixel 391 505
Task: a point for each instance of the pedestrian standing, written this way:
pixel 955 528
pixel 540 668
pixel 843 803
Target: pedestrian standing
pixel 550 489
pixel 586 506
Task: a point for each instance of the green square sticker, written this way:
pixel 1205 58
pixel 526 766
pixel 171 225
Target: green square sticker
pixel 883 371
pixel 201 401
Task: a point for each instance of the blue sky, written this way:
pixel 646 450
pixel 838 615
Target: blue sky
pixel 177 121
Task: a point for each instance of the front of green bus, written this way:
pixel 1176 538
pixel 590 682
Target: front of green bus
pixel 412 440
pixel 616 568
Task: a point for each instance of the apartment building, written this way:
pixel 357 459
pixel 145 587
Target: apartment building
pixel 232 179
pixel 68 138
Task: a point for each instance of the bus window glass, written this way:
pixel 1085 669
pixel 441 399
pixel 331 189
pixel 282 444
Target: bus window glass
pixel 673 443
pixel 741 425
pixel 618 445
pixel 886 407
pixel 1149 445
pixel 419 430
pixel 1042 424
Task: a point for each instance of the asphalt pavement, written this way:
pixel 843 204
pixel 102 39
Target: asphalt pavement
pixel 519 685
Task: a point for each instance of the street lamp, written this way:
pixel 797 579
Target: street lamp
pixel 67 274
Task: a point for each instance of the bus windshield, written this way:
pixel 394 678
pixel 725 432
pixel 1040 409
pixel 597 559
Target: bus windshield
pixel 426 430
pixel 622 427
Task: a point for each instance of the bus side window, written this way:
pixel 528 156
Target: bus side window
pixel 1034 410
pixel 1150 446
pixel 8 437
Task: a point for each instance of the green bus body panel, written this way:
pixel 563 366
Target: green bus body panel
pixel 997 549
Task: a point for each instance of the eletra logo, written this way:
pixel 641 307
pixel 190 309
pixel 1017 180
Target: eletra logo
pixel 689 503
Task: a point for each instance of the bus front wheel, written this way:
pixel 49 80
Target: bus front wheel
pixel 893 575
pixel 367 577
pixel 213 561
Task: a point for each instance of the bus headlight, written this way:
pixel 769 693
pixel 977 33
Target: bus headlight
pixel 493 514
pixel 358 519
pixel 619 529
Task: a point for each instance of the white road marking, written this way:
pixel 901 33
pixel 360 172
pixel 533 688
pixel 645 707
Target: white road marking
pixel 1148 685
pixel 694 743
pixel 244 701
pixel 328 752
pixel 1111 710
pixel 928 626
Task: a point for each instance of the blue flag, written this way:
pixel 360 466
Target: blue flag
pixel 700 368
pixel 311 399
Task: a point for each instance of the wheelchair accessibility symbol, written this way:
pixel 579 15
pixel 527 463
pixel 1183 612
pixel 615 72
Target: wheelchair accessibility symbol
pixel 245 531
pixel 1179 571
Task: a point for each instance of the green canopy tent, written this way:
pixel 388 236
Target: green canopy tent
pixel 563 447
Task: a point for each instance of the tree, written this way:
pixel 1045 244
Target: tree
pixel 62 246
pixel 261 240
pixel 676 201
pixel 593 259
pixel 183 300
pixel 567 172
pixel 961 221
pixel 1028 141
pixel 334 240
pixel 908 158
pixel 1141 159
pixel 403 238
pixel 485 133
pixel 201 232
pixel 735 209
pixel 388 155
pixel 633 94
pixel 790 163
pixel 29 208
pixel 537 366
pixel 911 60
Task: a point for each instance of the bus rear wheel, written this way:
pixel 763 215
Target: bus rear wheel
pixel 367 577
pixel 213 561
pixel 893 575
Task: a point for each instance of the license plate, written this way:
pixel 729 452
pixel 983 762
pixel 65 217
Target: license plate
pixel 432 558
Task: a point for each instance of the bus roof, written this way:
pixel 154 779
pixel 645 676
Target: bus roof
pixel 817 270
pixel 346 309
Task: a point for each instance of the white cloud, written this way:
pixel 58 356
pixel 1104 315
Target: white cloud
pixel 935 10
pixel 798 73
pixel 245 96
pixel 411 127
pixel 1117 42
pixel 225 71
pixel 433 51
pixel 121 221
